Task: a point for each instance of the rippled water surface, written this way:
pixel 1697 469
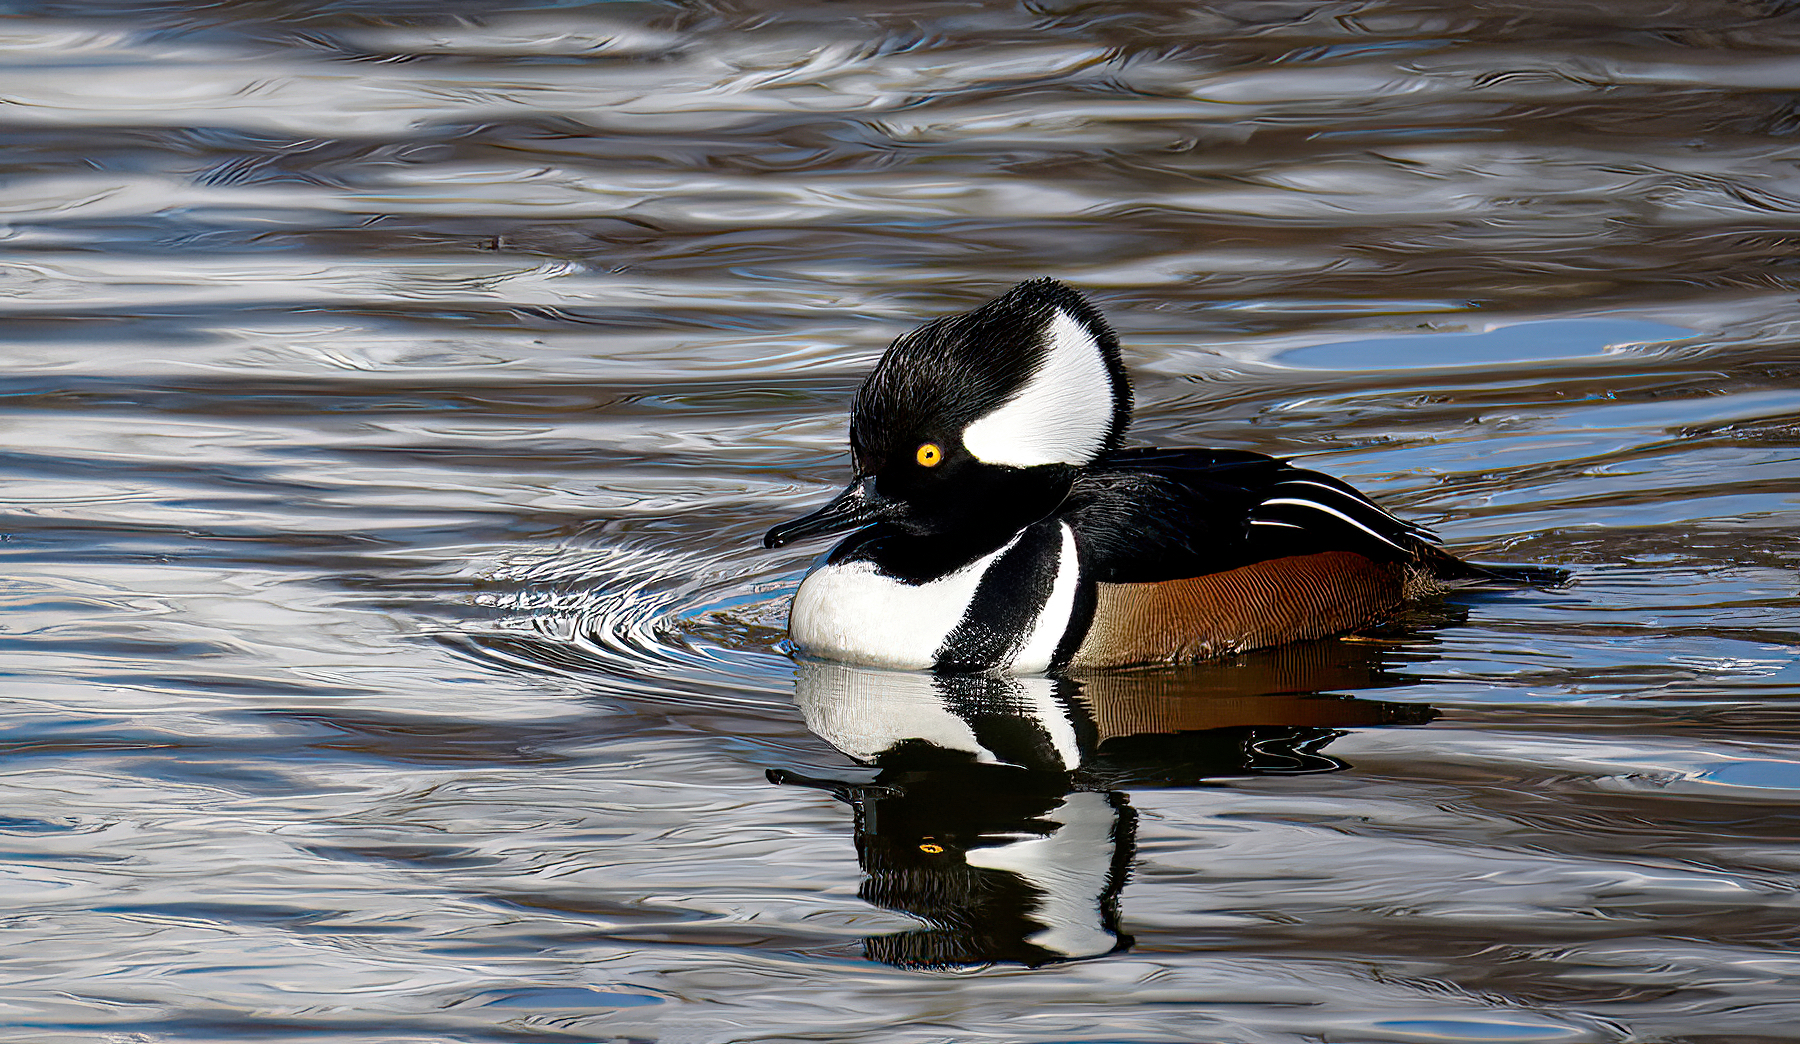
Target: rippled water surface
pixel 395 394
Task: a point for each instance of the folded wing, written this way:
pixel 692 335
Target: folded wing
pixel 1147 515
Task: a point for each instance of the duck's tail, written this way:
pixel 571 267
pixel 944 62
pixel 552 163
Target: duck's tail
pixel 1448 569
pixel 1519 575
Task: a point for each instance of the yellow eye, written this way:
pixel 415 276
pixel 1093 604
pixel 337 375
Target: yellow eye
pixel 932 849
pixel 929 454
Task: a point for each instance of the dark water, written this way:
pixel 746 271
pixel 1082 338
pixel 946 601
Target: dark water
pixel 395 394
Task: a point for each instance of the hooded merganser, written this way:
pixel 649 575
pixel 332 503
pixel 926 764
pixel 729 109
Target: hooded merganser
pixel 999 526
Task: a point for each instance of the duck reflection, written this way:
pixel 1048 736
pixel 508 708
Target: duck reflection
pixel 997 813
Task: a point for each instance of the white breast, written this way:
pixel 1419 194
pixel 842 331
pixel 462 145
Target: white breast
pixel 853 613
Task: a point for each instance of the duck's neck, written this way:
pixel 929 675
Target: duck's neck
pixel 922 559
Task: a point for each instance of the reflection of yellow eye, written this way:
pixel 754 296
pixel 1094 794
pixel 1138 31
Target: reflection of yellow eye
pixel 929 454
pixel 932 849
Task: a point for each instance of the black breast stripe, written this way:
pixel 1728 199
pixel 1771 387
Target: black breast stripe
pixel 1081 616
pixel 1007 603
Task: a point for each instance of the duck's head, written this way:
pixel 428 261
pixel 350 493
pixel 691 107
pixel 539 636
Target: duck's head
pixel 977 422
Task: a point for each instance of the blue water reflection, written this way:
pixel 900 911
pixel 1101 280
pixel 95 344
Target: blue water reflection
pixel 1516 343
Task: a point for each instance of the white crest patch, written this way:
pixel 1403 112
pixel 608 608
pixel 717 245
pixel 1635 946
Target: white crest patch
pixel 1063 413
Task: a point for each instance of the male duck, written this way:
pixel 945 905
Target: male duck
pixel 999 526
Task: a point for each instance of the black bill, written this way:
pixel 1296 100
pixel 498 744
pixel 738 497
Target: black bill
pixel 857 506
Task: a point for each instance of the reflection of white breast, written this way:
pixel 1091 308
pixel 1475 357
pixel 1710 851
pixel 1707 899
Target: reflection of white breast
pixel 865 713
pixel 854 613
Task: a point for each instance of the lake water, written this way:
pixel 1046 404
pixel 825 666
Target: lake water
pixel 395 395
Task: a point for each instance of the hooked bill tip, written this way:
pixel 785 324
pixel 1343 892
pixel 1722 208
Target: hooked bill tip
pixel 851 509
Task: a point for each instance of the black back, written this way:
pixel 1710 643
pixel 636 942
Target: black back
pixel 1143 515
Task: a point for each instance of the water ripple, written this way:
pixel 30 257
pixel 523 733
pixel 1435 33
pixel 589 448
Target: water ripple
pixel 396 398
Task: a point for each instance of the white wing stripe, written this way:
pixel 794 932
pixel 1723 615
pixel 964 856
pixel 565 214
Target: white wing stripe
pixel 1295 501
pixel 1355 497
pixel 1262 522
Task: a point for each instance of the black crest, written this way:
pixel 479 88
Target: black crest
pixel 942 377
